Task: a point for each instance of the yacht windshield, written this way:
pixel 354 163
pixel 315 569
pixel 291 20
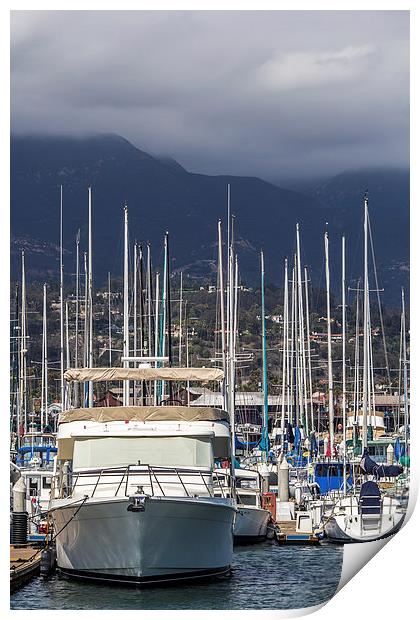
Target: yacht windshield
pixel 157 451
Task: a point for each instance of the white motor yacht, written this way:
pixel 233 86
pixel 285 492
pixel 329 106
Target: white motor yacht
pixel 251 520
pixel 134 498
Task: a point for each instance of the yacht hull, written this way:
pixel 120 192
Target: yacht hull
pixel 345 529
pixel 251 524
pixel 168 539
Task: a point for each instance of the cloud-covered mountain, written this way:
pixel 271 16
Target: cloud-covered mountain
pixel 161 195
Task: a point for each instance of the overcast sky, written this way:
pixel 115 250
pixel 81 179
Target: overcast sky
pixel 274 94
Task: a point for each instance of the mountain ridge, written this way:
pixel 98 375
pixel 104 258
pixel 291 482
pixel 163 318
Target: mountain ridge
pixel 162 195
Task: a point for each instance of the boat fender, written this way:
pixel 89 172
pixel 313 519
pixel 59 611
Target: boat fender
pixel 48 561
pixel 137 504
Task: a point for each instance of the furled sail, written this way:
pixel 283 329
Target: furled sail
pixel 369 467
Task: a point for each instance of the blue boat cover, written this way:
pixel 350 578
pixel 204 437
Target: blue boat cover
pixel 297 438
pixel 397 449
pixel 32 449
pixel 330 476
pixel 370 498
pixel 369 467
pixel 241 445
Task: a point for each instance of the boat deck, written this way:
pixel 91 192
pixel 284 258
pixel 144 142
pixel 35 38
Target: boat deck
pixel 289 536
pixel 25 563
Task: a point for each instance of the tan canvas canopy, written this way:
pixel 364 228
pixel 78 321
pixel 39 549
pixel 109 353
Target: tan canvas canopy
pixel 144 374
pixel 144 414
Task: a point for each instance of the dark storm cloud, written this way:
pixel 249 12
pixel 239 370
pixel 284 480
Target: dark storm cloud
pixel 267 93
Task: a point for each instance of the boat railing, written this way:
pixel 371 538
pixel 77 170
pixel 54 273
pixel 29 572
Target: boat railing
pixel 353 505
pixel 223 482
pixel 159 480
pixel 38 439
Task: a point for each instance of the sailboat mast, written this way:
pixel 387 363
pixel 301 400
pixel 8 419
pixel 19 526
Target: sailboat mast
pixel 231 351
pixel 23 353
pixel 222 313
pixel 330 374
pixel 156 333
pixel 90 299
pixel 357 360
pixel 287 324
pixel 180 324
pixel 187 351
pixel 163 319
pixel 168 300
pixel 149 300
pixel 264 432
pixel 234 278
pixel 233 286
pixel 85 329
pixel 109 321
pixel 235 311
pixel 90 296
pixel 68 397
pixel 135 266
pixel 293 416
pixel 302 351
pixel 366 374
pixel 405 375
pixel 15 409
pixel 343 240
pixel 299 394
pixel 308 339
pixel 44 327
pixel 285 327
pixel 228 301
pixel 76 326
pixel 62 395
pixel 169 311
pixel 141 301
pixel 371 378
pixel 126 349
pixel 228 224
pixel 45 356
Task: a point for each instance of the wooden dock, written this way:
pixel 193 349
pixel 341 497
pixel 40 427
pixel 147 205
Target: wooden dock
pixel 25 563
pixel 289 536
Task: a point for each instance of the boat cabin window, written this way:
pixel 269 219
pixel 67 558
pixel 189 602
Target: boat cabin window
pixel 247 483
pixel 328 470
pixel 247 500
pixel 33 485
pixel 46 483
pixel 377 452
pixel 158 451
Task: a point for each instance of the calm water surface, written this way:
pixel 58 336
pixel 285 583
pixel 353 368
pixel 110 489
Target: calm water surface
pixel 265 576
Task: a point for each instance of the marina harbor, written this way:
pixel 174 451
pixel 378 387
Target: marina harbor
pixel 156 472
pixel 210 309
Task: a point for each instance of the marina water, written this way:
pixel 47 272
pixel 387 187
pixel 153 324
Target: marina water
pixel 265 576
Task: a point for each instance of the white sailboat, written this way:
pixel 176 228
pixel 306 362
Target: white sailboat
pixel 370 515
